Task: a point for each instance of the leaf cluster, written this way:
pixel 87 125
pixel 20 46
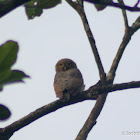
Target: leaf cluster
pixel 35 7
pixel 8 57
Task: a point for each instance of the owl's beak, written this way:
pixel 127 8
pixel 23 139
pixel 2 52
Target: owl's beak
pixel 65 68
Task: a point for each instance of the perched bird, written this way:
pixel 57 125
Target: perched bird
pixel 68 79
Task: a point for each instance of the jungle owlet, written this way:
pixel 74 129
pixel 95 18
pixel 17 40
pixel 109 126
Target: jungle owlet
pixel 68 79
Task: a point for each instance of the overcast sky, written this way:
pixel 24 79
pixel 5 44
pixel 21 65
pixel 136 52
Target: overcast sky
pixel 58 34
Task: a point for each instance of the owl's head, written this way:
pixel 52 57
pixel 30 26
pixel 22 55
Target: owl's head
pixel 64 65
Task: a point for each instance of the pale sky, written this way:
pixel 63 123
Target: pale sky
pixel 58 34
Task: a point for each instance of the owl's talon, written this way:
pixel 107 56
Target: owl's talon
pixel 65 98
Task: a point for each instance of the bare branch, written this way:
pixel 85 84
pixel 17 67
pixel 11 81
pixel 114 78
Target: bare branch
pixel 127 37
pixel 90 94
pixel 79 8
pixel 72 4
pixel 101 99
pixel 124 16
pixel 8 131
pixel 113 4
pixel 91 121
pixel 113 87
pixel 93 45
pixel 136 5
pixel 119 54
pixel 9 5
pixel 136 25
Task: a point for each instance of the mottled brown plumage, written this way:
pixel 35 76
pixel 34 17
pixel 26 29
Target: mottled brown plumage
pixel 68 79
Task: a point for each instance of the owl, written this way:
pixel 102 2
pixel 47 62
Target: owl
pixel 68 79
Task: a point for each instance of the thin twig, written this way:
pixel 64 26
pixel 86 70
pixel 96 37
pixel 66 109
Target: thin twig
pixel 113 87
pixel 72 4
pixel 124 16
pixel 136 5
pixel 91 121
pixel 119 54
pixel 113 4
pixel 136 25
pixel 80 9
pixel 9 5
pixel 93 45
pixel 127 37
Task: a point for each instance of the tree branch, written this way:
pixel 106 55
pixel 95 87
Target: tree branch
pixel 93 45
pixel 9 5
pixel 124 16
pixel 7 132
pixel 136 25
pixel 127 37
pixel 90 94
pixel 96 90
pixel 101 99
pixel 136 5
pixel 113 4
pixel 91 121
pixel 80 9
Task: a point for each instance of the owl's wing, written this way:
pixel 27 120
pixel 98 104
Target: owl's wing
pixel 59 84
pixel 76 83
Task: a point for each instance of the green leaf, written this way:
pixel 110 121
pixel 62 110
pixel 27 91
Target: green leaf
pixel 8 55
pixel 4 112
pixel 15 76
pixel 100 7
pixel 45 4
pixel 35 8
pixel 1 88
pixel 2 1
pixel 32 11
pixel 4 74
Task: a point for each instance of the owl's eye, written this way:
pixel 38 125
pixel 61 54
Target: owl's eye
pixel 60 65
pixel 69 64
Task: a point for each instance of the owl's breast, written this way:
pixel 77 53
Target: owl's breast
pixel 68 79
pixel 62 80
